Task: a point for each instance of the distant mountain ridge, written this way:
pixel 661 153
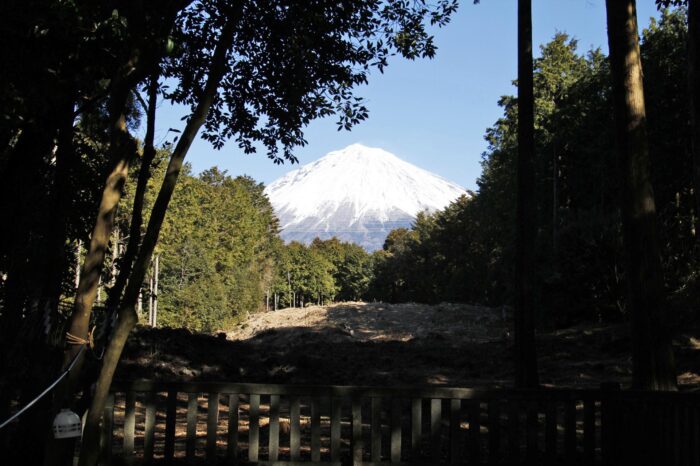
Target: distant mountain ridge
pixel 357 194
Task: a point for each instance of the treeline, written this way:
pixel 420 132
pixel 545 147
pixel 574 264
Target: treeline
pixel 216 252
pixel 466 252
pixel 324 271
pixel 220 257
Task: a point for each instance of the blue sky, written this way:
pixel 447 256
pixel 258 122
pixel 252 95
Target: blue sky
pixel 432 113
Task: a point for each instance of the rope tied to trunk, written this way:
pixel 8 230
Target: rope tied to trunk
pixel 89 342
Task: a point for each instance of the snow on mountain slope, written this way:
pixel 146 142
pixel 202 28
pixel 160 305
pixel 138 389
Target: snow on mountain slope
pixel 358 194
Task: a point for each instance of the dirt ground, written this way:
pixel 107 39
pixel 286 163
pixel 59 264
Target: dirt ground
pixel 390 344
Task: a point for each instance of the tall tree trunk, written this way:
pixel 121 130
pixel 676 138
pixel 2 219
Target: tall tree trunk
pixel 525 353
pixel 150 297
pixel 127 316
pixel 62 193
pixel 78 256
pixel 149 154
pixel 652 353
pixel 694 92
pixel 156 272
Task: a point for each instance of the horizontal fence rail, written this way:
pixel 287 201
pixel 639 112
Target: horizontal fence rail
pixel 149 422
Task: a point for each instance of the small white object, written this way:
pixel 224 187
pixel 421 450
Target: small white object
pixel 67 425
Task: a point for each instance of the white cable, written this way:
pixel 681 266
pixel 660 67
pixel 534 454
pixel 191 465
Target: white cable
pixel 48 389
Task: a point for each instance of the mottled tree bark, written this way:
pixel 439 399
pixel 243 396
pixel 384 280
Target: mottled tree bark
pixel 652 353
pixel 525 353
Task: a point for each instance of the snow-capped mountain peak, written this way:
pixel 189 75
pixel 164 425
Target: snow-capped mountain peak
pixel 358 194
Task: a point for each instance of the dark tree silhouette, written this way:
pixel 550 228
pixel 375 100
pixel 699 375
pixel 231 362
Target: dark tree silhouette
pixel 525 352
pixel 694 88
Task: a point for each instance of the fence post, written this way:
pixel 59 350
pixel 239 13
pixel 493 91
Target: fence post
pixel 107 428
pixel 610 423
pixel 170 419
pixel 212 425
pixel 129 426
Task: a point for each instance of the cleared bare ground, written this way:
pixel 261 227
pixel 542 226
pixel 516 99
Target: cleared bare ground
pixel 384 344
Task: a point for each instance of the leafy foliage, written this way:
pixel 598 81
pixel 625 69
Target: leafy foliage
pixel 216 250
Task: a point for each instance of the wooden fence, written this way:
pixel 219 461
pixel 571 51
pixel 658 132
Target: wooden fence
pixel 227 423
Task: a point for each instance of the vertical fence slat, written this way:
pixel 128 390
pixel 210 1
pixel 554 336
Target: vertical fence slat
pixel 589 431
pixel 191 440
pixel 416 426
pixel 357 441
pixel 494 431
pixel 609 424
pixel 513 431
pixel 376 430
pixel 107 429
pixel 474 431
pixel 455 431
pixel 550 431
pixel 687 441
pixel 212 424
pixel 170 418
pixel 676 428
pixel 274 437
pixel 570 431
pixel 659 432
pixel 232 443
pixel 664 420
pixel 531 431
pixel 149 427
pixel 295 428
pixel 129 427
pixel 336 412
pixel 253 427
pixel 395 441
pixel 435 428
pixel 315 430
pixel 695 436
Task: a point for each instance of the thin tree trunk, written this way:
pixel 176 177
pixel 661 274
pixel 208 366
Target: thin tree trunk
pixel 78 255
pixel 115 255
pixel 652 354
pixel 525 353
pixel 127 317
pixel 156 272
pixel 149 154
pixel 150 297
pixel 555 206
pixel 98 296
pixel 694 93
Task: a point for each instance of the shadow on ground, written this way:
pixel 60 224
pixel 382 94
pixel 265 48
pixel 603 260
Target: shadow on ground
pixel 377 344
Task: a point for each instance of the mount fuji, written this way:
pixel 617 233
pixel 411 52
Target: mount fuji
pixel 357 194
